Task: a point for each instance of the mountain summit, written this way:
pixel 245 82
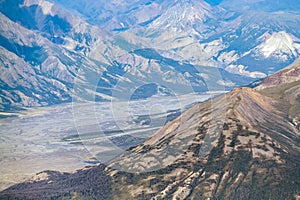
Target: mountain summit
pixel 183 16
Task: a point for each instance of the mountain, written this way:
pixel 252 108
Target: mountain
pixel 37 70
pixel 289 75
pixel 55 51
pixel 241 145
pixel 224 35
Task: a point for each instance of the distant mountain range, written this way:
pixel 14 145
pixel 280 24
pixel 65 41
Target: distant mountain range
pixel 55 51
pixel 241 145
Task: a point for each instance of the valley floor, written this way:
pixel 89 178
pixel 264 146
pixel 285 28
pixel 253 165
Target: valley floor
pixel 70 136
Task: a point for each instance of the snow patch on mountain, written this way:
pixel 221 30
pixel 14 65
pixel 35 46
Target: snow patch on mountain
pixel 242 70
pixel 183 15
pixel 280 45
pixel 45 6
pixel 227 83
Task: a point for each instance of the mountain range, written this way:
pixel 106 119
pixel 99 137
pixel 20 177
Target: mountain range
pixel 242 145
pixel 56 51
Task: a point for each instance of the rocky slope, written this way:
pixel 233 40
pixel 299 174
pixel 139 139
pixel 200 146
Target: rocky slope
pixel 242 145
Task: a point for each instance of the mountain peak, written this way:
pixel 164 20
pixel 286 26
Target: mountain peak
pixel 242 108
pixel 279 44
pixel 200 148
pixel 245 93
pixel 183 15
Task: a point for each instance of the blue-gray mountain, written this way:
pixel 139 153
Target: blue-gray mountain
pixel 55 51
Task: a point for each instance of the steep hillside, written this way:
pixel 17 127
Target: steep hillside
pixel 284 86
pixel 251 153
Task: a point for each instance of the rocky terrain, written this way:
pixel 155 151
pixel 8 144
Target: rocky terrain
pixel 241 145
pixel 251 152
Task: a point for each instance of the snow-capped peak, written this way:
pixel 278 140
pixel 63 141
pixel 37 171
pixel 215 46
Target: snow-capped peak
pixel 45 5
pixel 183 14
pixel 279 44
